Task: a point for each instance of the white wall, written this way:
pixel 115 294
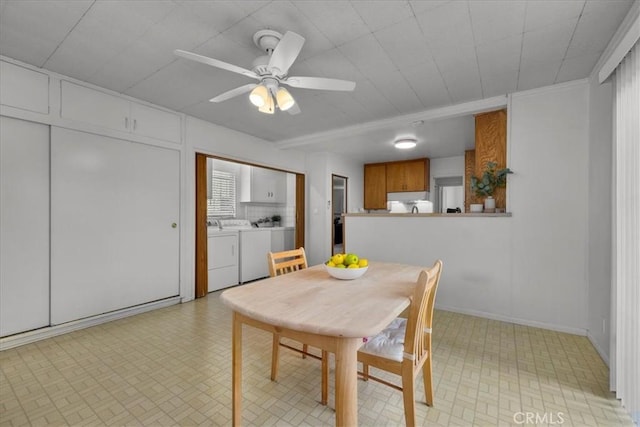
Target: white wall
pixel 320 167
pixel 444 167
pixel 530 268
pixel 548 151
pixel 475 251
pixel 318 193
pixel 205 137
pixel 599 219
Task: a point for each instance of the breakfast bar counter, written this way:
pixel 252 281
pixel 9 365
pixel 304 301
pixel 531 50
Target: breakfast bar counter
pixel 430 215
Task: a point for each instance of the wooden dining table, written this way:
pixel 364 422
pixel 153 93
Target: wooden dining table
pixel 312 307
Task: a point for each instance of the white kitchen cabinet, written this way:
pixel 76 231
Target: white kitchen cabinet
pixel 23 88
pixel 112 112
pixel 24 226
pixel 282 239
pixel 262 185
pixel 115 240
pixel 222 254
pixel 93 107
pixel 155 123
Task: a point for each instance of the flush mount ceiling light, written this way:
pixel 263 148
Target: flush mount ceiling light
pixel 405 143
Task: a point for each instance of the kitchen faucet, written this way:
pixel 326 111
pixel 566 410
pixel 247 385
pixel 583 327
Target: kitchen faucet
pixel 414 209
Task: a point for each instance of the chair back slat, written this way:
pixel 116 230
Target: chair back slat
pixel 418 343
pixel 286 261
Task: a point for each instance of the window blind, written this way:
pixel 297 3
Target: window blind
pixel 223 194
pixel 626 291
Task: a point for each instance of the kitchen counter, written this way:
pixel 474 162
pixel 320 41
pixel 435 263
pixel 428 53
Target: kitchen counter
pixel 429 215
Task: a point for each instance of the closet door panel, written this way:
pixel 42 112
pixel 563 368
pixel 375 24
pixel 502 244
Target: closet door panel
pixel 24 226
pixel 113 203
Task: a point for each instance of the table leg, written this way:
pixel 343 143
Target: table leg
pixel 236 384
pixel 347 381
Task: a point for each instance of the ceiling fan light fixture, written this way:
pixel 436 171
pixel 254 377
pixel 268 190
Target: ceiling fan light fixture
pixel 259 96
pixel 405 143
pixel 269 106
pixel 284 98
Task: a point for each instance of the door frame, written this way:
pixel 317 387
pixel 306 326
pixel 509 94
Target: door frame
pixel 201 270
pixel 344 209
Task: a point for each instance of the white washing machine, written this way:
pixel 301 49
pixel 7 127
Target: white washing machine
pixel 223 258
pixel 254 244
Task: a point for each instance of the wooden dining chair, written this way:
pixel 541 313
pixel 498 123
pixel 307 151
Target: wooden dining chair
pixel 404 347
pixel 282 263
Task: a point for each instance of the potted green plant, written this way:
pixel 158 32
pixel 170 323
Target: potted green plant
pixel 276 220
pixel 486 185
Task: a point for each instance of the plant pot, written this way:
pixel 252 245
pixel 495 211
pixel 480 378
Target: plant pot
pixel 490 204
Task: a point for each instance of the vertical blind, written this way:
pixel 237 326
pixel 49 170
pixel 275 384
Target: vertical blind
pixel 223 194
pixel 626 292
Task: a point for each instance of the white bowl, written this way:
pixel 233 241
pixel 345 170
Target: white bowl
pixel 346 273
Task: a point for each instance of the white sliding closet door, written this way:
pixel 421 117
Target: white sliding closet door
pixel 113 203
pixel 24 226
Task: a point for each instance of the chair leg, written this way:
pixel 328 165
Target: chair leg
pixel 305 350
pixel 365 372
pixel 427 373
pixel 275 353
pixel 325 377
pixel 408 397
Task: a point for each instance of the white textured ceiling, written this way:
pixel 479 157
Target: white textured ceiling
pixel 405 56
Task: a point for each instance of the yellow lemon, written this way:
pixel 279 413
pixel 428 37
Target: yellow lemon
pixel 353 266
pixel 337 259
pixel 340 266
pixel 330 264
pixel 363 262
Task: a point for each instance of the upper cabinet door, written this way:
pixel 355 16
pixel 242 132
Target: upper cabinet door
pixel 410 175
pixel 155 123
pixel 112 112
pixel 262 185
pixel 94 107
pixel 375 186
pixel 23 88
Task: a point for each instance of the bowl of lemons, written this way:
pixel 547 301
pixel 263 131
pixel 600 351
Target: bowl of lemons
pixel 346 266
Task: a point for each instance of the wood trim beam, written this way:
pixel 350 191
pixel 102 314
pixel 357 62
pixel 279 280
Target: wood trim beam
pixel 202 272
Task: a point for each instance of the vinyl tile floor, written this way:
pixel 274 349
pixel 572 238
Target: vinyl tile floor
pixel 172 367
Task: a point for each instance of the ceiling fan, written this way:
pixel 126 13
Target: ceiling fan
pixel 271 72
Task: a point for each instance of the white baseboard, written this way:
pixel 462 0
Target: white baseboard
pixel 600 350
pixel 517 321
pixel 52 331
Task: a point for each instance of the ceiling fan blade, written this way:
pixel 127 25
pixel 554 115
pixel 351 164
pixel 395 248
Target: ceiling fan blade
pixel 295 109
pixel 320 83
pixel 215 63
pixel 233 92
pixel 286 52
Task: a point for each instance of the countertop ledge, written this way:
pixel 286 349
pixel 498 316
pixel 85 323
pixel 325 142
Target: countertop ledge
pixel 430 215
